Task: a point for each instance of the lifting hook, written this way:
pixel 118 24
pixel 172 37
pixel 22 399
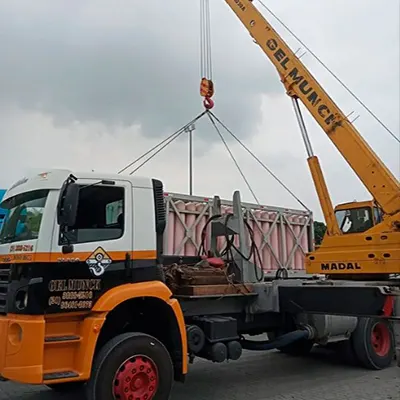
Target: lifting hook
pixel 208 103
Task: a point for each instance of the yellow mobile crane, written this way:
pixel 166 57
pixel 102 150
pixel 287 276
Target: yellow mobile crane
pixel 362 238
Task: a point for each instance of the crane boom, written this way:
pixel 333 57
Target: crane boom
pixel 300 83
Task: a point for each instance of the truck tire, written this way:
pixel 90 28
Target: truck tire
pixel 373 343
pixel 67 387
pixel 131 366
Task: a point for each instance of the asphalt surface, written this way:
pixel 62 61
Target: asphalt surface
pixel 259 376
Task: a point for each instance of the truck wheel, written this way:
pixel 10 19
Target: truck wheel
pixel 131 366
pixel 67 387
pixel 373 343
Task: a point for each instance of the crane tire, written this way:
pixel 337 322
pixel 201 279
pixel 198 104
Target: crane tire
pixel 131 362
pixel 373 343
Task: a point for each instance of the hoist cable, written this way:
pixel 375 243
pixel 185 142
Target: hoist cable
pixel 147 152
pixel 205 40
pixel 330 71
pixel 173 136
pixel 210 115
pixel 208 33
pixel 202 42
pixel 206 83
pixel 259 161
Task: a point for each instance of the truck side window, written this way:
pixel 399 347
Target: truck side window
pixel 100 214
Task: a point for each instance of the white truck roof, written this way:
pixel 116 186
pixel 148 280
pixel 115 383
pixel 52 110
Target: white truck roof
pixel 54 178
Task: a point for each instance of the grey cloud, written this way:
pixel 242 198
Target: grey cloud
pixel 127 65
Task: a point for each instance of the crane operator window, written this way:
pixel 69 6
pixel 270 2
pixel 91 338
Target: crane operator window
pixel 354 220
pixel 100 215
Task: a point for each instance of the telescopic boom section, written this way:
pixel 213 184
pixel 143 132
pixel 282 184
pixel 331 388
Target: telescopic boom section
pixel 299 83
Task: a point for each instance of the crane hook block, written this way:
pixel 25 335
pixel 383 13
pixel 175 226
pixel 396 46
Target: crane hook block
pixel 208 103
pixel 206 88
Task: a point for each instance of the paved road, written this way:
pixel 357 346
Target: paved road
pixel 259 376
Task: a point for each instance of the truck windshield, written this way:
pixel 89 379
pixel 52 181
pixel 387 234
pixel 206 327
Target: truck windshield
pixel 23 216
pixel 354 220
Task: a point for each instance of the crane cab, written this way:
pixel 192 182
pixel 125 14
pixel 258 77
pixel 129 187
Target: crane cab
pixel 358 217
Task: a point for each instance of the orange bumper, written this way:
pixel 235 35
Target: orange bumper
pixel 21 348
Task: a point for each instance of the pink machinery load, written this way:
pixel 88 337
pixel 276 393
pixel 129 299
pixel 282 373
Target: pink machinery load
pixel 282 235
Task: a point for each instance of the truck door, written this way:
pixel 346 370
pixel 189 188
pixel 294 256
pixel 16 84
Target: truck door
pixel 101 238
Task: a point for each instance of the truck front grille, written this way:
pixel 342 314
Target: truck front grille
pixel 4 282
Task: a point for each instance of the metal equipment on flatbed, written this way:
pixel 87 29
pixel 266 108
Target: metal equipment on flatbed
pixel 89 298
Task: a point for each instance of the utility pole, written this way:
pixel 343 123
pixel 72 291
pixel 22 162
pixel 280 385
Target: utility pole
pixel 189 129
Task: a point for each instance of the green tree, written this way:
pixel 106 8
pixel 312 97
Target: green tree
pixel 319 232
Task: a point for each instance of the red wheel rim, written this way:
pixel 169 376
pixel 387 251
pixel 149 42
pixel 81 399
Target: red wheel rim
pixel 380 338
pixel 136 379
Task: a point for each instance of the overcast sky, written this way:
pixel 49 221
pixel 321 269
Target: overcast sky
pixel 92 84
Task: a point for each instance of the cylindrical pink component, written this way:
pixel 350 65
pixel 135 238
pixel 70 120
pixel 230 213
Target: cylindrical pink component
pixel 266 252
pixel 298 256
pixel 200 227
pixel 258 239
pixel 179 229
pixel 289 241
pixel 275 239
pixel 171 232
pixel 190 248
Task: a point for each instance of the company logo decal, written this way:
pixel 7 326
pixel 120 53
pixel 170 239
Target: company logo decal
pixel 98 261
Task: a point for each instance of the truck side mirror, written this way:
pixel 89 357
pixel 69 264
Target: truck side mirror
pixel 68 205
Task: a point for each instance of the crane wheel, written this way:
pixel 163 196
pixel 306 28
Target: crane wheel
pixel 131 365
pixel 373 342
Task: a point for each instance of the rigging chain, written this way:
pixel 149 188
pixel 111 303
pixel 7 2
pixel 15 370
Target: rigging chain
pixel 206 83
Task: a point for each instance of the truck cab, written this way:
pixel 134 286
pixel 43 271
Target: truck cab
pixel 358 217
pixel 63 269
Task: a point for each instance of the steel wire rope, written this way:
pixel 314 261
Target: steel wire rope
pixel 205 40
pixel 170 139
pixel 330 71
pixel 259 161
pixel 232 156
pixel 158 151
